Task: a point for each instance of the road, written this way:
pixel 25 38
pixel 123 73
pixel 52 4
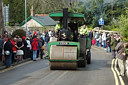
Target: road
pixel 99 72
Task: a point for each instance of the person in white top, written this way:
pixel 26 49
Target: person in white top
pixel 104 40
pixel 50 33
pixel 29 47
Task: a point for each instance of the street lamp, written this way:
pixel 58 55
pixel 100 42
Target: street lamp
pixel 26 17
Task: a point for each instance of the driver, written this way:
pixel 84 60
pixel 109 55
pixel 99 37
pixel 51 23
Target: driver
pixel 83 31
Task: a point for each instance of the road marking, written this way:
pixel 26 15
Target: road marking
pixel 53 83
pixel 121 80
pixel 13 67
pixel 115 76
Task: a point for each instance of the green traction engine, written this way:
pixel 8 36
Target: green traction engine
pixel 67 52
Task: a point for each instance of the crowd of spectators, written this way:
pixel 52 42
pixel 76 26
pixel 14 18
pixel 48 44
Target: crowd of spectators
pixel 15 49
pixel 113 43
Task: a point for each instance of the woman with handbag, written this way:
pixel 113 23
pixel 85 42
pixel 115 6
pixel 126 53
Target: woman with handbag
pixel 19 45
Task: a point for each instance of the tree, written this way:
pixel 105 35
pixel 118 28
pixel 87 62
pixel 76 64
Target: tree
pixel 16 11
pixel 1 18
pixel 123 26
pixel 48 6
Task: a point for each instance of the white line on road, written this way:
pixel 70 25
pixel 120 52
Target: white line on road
pixel 115 76
pixel 53 83
pixel 121 80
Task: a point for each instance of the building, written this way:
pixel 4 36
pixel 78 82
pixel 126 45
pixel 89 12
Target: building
pixel 38 20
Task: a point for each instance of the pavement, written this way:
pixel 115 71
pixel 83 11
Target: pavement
pixel 2 65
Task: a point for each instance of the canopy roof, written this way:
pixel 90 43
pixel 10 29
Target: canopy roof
pixel 59 15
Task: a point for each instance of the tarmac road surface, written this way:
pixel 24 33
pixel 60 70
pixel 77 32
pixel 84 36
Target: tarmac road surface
pixel 100 72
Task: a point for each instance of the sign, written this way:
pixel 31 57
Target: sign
pixel 101 22
pixel 63 43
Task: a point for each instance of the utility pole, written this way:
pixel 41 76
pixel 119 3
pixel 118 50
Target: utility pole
pixel 1 18
pixel 26 17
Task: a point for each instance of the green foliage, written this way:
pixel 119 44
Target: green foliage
pixel 48 6
pixel 123 26
pixel 93 10
pixel 115 29
pixel 16 11
pixel 19 32
pixel 90 28
pixel 96 9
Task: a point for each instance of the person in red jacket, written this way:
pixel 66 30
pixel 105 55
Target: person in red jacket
pixel 13 41
pixel 35 48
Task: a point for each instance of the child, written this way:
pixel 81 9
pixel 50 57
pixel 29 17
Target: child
pixel 93 41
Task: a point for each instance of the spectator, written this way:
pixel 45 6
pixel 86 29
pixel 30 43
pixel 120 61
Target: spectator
pixel 3 53
pixel 53 33
pixel 39 46
pixel 121 57
pixel 8 53
pixel 91 35
pixel 98 40
pixel 108 41
pixel 42 48
pixel 113 45
pixel 50 33
pixel 46 39
pixel 19 45
pixel 35 48
pixel 104 40
pixel 126 51
pixel 24 47
pixel 38 32
pixel 93 42
pixel 28 47
pixel 14 57
pixel 29 33
pixel 43 35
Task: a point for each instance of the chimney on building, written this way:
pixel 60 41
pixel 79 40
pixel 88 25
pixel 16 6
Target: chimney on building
pixel 32 12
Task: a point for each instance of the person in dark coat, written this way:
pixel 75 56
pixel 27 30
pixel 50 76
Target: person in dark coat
pixel 41 50
pixel 46 39
pixel 91 35
pixel 8 53
pixel 25 47
pixel 39 46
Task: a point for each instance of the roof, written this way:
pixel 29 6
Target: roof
pixel 42 20
pixel 58 15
